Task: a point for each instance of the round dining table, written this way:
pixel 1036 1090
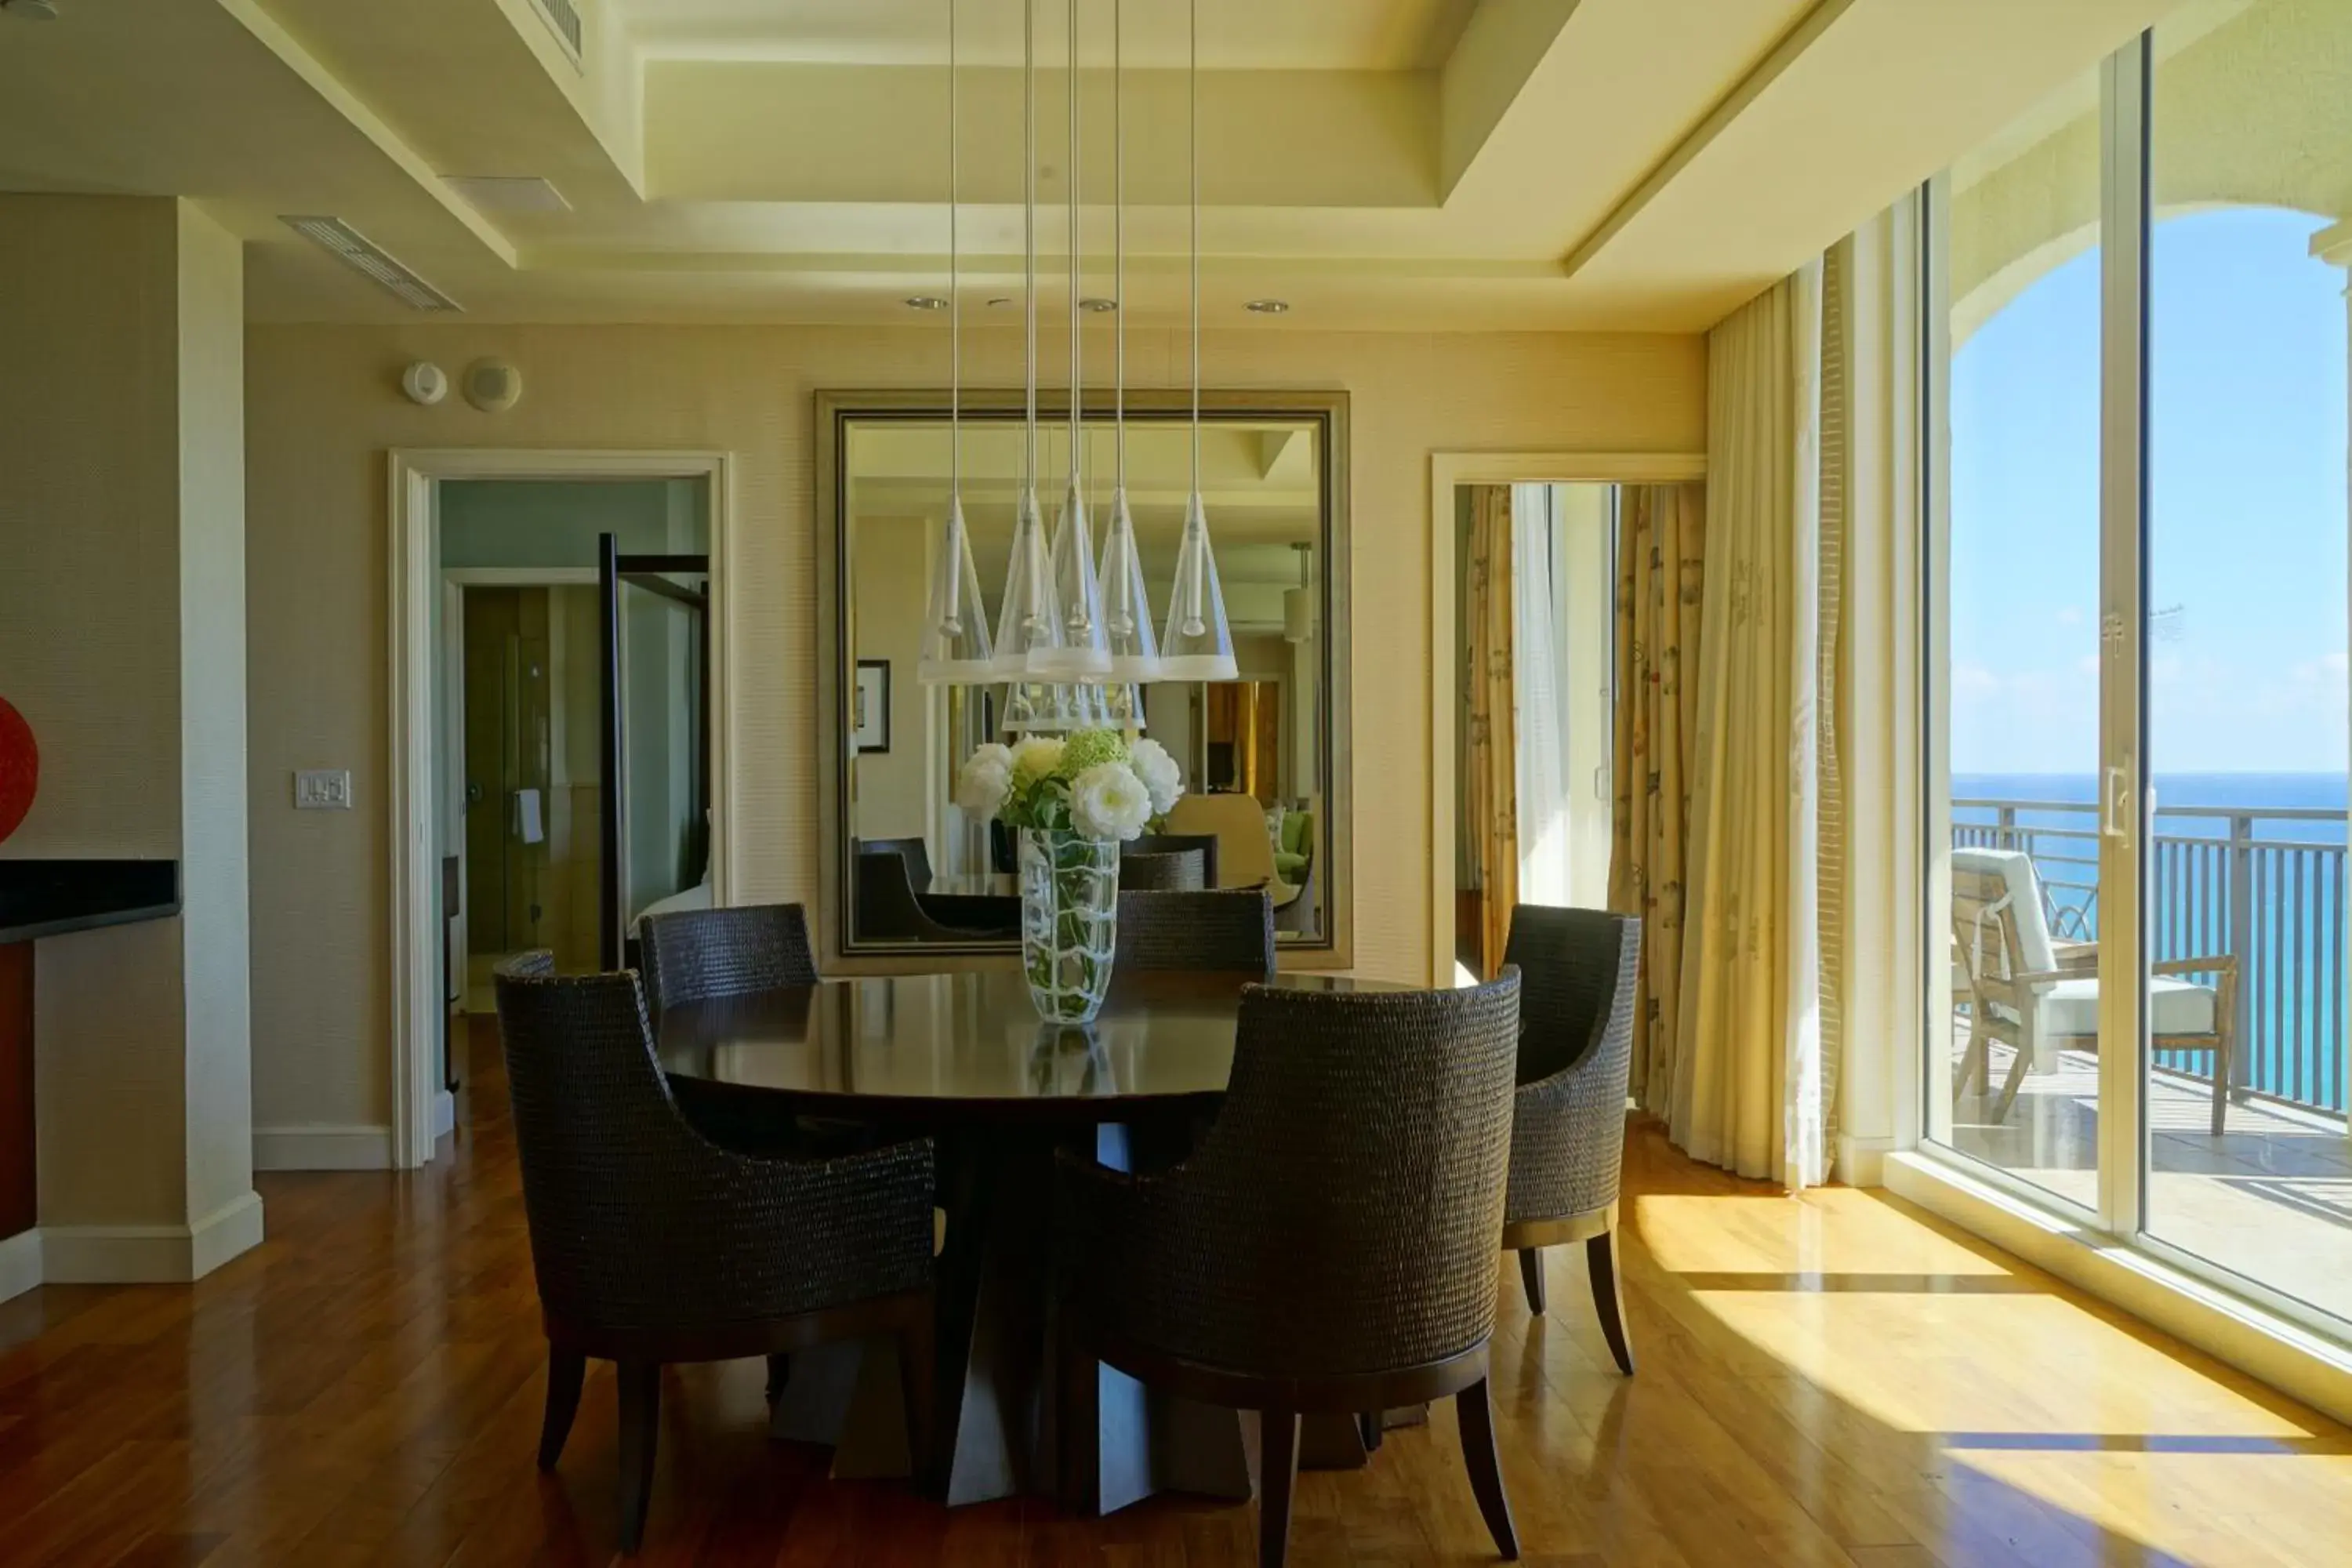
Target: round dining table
pixel 964 1059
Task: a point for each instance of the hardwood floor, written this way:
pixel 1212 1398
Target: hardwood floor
pixel 1833 1380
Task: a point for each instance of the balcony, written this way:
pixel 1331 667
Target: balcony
pixel 2272 1197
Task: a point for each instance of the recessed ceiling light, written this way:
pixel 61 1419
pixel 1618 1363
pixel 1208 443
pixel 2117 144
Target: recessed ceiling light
pixel 1268 307
pixel 1001 299
pixel 926 302
pixel 1098 304
pixel 31 10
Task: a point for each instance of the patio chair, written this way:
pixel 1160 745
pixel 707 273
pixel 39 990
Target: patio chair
pixel 2034 995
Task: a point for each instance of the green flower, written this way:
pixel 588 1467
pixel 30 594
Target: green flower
pixel 1090 749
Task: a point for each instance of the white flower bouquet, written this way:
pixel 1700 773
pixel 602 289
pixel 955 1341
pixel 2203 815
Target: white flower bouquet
pixel 1073 800
pixel 1091 782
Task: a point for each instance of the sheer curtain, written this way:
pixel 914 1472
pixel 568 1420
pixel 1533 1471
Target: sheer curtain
pixel 1539 677
pixel 1748 1086
pixel 1490 741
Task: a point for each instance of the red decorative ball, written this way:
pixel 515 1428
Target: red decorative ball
pixel 20 768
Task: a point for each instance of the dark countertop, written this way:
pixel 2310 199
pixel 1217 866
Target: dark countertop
pixel 48 897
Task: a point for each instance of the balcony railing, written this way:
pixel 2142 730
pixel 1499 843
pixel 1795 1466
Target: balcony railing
pixel 2266 885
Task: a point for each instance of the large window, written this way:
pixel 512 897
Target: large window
pixel 2139 921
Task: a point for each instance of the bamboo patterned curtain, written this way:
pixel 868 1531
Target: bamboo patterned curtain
pixel 1492 786
pixel 1662 530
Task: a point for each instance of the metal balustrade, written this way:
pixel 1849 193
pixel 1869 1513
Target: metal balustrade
pixel 2267 885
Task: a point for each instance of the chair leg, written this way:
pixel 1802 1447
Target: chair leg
pixel 1531 1276
pixel 918 1371
pixel 1079 1385
pixel 565 1371
pixel 1372 1426
pixel 1608 1297
pixel 780 1373
pixel 1278 1470
pixel 640 1424
pixel 1476 1416
pixel 2014 1081
pixel 2221 1083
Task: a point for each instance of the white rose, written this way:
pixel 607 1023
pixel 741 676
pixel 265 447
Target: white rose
pixel 1107 801
pixel 994 756
pixel 1158 772
pixel 1036 757
pixel 981 787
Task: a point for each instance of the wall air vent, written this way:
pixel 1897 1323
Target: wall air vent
pixel 562 20
pixel 354 249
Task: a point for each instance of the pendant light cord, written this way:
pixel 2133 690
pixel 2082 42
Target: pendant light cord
pixel 1029 223
pixel 1193 87
pixel 955 268
pixel 1119 220
pixel 1077 367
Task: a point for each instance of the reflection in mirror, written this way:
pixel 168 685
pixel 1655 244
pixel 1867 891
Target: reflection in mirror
pixel 1252 750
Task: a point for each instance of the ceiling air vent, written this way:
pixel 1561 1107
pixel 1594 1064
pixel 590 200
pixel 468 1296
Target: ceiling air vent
pixel 564 20
pixel 356 250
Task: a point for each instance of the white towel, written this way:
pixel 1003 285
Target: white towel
pixel 528 825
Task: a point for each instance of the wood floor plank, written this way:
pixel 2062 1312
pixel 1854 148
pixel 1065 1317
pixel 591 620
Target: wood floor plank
pixel 1838 1379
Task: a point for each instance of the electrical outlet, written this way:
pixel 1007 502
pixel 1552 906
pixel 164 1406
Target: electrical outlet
pixel 322 789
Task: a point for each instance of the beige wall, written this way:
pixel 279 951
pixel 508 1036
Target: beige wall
pixel 891 590
pixel 324 404
pixel 122 639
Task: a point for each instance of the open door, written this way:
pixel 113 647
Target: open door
pixel 655 662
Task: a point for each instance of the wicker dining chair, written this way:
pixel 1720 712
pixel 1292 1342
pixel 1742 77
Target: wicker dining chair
pixel 1329 1248
pixel 1231 932
pixel 652 1245
pixel 694 955
pixel 1581 969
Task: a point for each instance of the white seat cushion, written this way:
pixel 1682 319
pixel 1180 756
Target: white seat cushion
pixel 2174 1008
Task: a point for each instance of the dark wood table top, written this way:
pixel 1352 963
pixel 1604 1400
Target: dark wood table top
pixel 970 1047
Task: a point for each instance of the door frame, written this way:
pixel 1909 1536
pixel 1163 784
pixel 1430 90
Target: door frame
pixel 414 477
pixel 1448 471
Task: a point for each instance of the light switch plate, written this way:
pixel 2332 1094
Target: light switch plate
pixel 322 789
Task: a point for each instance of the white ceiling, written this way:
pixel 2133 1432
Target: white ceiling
pixel 1397 164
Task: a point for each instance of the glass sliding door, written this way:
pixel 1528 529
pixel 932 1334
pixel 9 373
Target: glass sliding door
pixel 2137 602
pixel 2248 1167
pixel 2014 301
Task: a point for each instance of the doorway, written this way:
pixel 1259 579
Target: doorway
pixel 504 647
pixel 1534 569
pixel 1561 510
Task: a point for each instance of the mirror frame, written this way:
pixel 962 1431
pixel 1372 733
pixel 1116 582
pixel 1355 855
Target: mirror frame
pixel 835 412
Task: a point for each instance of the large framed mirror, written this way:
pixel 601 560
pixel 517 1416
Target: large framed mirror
pixel 909 878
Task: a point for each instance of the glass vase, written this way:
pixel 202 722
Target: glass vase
pixel 1069 921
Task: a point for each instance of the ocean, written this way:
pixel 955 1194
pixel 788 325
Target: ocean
pixel 2277 841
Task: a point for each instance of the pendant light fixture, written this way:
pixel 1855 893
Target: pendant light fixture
pixel 1029 623
pixel 1198 643
pixel 1126 602
pixel 956 648
pixel 1083 653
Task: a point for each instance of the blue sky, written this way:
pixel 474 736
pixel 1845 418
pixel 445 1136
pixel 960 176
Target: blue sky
pixel 2248 486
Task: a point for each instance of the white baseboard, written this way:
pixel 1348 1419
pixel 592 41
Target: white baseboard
pixel 149 1254
pixel 1862 1162
pixel 323 1146
pixel 445 1114
pixel 20 1264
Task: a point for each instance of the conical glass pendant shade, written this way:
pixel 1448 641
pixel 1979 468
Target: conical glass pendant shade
pixel 1029 622
pixel 1125 704
pixel 1126 605
pixel 956 644
pixel 1051 708
pixel 1081 651
pixel 1197 643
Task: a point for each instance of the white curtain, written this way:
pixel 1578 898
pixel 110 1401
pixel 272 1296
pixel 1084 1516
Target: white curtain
pixel 1545 831
pixel 1749 1092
